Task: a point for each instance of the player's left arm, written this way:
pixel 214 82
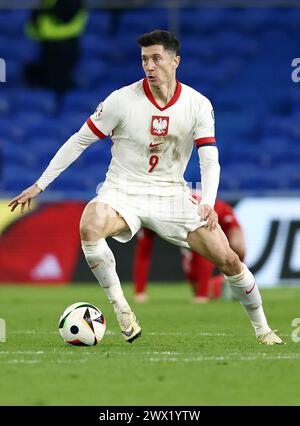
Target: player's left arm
pixel 204 136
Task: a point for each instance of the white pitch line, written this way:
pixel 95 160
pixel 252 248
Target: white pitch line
pixel 189 334
pixel 160 359
pixel 165 354
pixel 22 332
pixel 155 356
pixel 55 352
pixel 21 361
pixel 22 353
pixel 39 361
pixel 270 357
pixel 213 334
pixel 113 333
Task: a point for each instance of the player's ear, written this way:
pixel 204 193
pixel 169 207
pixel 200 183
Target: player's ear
pixel 177 61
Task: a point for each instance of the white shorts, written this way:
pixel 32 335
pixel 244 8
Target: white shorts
pixel 171 217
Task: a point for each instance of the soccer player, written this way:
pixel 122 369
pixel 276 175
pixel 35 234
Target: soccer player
pixel 199 271
pixel 153 123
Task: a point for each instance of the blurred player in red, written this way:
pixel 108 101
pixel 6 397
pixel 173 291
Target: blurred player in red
pixel 200 272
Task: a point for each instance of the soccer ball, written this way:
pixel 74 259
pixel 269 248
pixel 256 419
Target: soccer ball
pixel 82 324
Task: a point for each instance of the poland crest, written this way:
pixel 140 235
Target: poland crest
pixel 159 125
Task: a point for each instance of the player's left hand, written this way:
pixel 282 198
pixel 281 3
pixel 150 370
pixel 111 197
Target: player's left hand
pixel 207 213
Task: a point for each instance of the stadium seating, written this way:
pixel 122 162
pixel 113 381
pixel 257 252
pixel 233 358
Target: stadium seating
pixel 239 58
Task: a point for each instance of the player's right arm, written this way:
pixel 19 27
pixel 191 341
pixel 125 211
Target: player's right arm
pixel 96 127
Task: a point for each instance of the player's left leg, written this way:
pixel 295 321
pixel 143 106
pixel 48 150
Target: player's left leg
pixel 214 246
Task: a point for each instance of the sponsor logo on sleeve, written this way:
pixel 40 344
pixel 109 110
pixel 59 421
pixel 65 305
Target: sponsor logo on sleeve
pixel 98 111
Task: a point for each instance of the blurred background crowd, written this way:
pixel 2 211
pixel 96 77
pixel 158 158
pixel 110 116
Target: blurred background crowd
pixel 239 57
pixel 62 57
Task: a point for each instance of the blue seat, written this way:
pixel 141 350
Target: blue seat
pixel 278 127
pixel 193 71
pixel 18 177
pixel 192 173
pixel 89 72
pixel 141 21
pixel 124 50
pixel 257 184
pixel 14 154
pixel 40 100
pixel 241 153
pixel 128 74
pixel 6 102
pixel 195 47
pixel 249 177
pixel 199 21
pixel 14 76
pixel 11 129
pixel 73 180
pixel 294 181
pixel 82 101
pixel 246 20
pixel 34 153
pixel 27 118
pixel 102 91
pixel 235 43
pixel 233 124
pixel 239 97
pixel 94 46
pixel 18 49
pixel 95 174
pixel 12 22
pixel 72 121
pixel 228 182
pixel 99 22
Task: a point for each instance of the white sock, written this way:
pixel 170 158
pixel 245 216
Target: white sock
pixel 103 265
pixel 244 288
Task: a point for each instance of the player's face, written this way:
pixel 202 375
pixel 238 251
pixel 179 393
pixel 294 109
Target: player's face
pixel 159 65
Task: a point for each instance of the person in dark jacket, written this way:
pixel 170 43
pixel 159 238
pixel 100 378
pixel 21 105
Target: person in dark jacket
pixel 57 25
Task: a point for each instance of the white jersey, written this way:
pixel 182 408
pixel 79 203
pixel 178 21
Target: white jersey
pixel 152 144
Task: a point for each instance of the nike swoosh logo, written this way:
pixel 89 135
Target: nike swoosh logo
pixel 128 333
pixel 95 266
pixel 249 291
pixel 152 145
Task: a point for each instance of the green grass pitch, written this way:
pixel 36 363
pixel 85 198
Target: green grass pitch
pixel 188 354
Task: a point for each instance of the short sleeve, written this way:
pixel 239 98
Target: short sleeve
pixel 204 133
pixel 106 117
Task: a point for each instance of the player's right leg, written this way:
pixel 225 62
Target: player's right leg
pixel 98 222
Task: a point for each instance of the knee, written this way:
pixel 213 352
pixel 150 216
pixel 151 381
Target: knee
pixel 230 263
pixel 90 230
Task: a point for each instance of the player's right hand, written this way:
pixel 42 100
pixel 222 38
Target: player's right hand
pixel 208 213
pixel 25 198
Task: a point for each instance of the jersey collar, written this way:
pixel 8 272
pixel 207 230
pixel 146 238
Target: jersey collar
pixel 171 102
